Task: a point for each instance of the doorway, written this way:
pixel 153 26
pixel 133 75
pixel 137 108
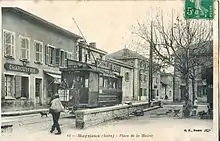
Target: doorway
pixel 24 87
pixel 38 90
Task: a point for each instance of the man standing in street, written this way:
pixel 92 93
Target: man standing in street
pixel 55 109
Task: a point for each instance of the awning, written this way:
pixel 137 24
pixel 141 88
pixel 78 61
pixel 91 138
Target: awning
pixel 54 75
pixel 57 78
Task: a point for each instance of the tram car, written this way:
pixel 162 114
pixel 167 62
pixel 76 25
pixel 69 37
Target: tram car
pixel 89 86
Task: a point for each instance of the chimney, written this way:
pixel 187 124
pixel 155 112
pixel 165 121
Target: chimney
pixel 93 45
pixel 82 43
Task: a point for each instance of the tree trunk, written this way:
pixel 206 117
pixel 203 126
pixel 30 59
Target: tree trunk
pixel 174 99
pixel 193 85
pixel 187 106
pixel 193 89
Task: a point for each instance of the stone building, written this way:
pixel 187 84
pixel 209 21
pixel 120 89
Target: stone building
pixel 34 51
pixel 140 73
pixel 126 72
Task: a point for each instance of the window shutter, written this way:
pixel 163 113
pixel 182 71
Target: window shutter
pixel 65 58
pixel 41 51
pixel 3 86
pixel 27 49
pixel 18 86
pixel 58 58
pixel 13 45
pixel 46 55
pixel 4 48
pixel 35 51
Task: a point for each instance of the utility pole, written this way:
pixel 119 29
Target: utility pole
pixel 174 71
pixel 150 67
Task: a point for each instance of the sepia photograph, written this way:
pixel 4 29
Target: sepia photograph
pixel 109 70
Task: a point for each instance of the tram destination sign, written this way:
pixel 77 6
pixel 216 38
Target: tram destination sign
pixel 20 68
pixel 108 65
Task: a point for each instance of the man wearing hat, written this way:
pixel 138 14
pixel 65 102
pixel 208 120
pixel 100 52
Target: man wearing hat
pixel 55 109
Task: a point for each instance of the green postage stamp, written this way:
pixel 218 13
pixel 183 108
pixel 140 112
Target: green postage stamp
pixel 199 9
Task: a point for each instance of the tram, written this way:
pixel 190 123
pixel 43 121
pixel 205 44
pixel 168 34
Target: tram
pixel 90 85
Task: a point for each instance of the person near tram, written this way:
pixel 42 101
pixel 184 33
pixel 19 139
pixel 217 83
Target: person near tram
pixel 55 109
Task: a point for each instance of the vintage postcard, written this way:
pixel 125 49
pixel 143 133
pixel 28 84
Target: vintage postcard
pixel 86 70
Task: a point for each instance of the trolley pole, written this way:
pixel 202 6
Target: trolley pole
pixel 150 67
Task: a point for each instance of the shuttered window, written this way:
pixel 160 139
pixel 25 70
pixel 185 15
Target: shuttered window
pixel 3 92
pixel 38 51
pixel 50 55
pixel 18 86
pixel 9 43
pixel 9 86
pixel 24 48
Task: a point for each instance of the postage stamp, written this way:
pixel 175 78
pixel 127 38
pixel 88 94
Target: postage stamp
pixel 199 9
pixel 109 70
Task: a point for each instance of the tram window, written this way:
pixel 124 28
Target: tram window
pixel 86 83
pixel 114 84
pixel 106 82
pixel 100 81
pixel 110 84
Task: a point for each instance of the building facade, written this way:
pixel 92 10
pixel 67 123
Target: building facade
pixel 34 51
pixel 126 72
pixel 140 74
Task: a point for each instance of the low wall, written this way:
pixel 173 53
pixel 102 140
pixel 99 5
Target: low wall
pixel 10 105
pixel 90 117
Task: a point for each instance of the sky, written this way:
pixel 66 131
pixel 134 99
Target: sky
pixel 109 24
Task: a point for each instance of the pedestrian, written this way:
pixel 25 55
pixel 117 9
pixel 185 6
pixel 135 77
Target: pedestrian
pixel 166 97
pixel 195 102
pixel 195 107
pixel 55 109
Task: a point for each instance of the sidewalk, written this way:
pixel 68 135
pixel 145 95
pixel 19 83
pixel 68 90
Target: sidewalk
pixel 26 112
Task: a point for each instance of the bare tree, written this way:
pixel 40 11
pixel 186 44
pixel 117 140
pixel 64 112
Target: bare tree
pixel 180 43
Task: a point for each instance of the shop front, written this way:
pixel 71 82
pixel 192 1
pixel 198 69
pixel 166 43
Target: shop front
pixel 52 81
pixel 17 90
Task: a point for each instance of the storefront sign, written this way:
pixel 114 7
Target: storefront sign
pixel 20 68
pixel 108 65
pixel 75 64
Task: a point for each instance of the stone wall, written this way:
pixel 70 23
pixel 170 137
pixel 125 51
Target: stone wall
pixel 91 117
